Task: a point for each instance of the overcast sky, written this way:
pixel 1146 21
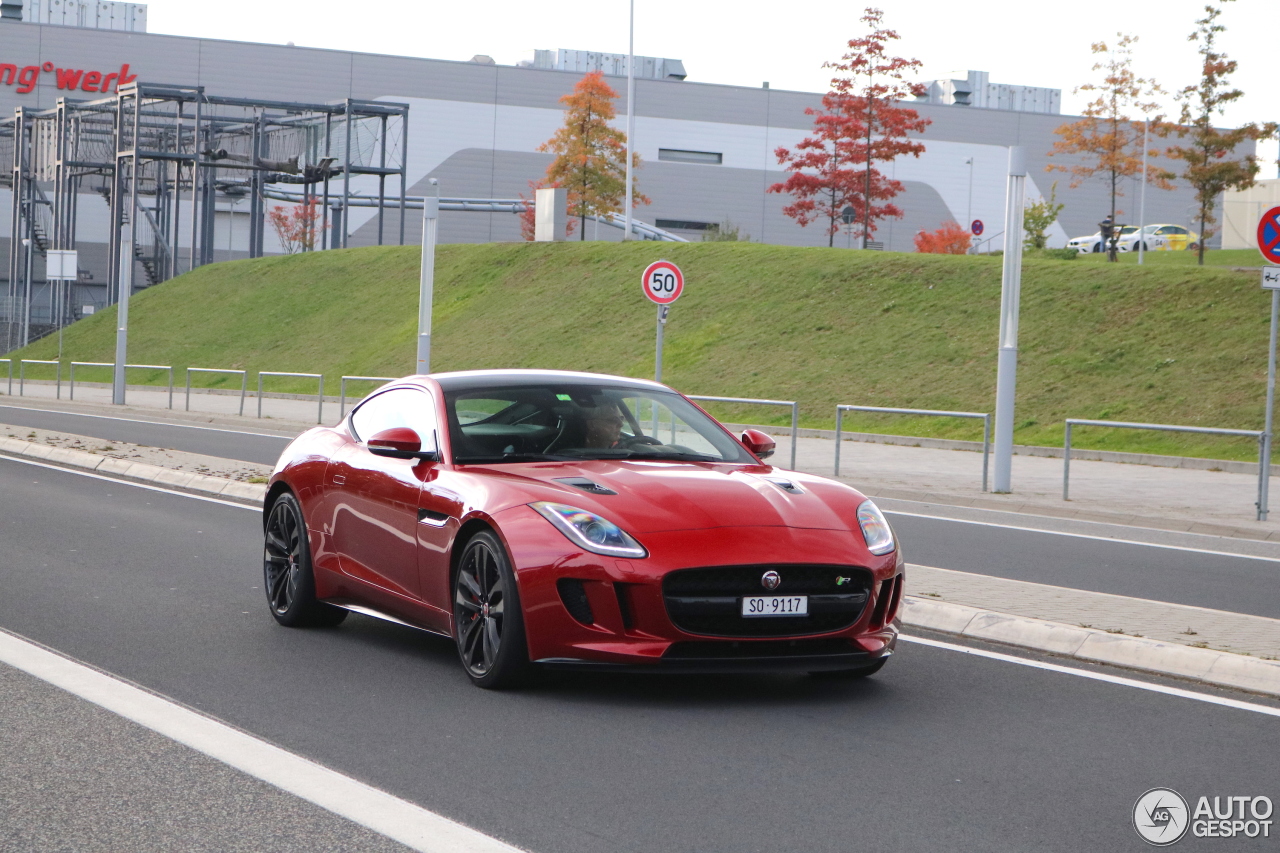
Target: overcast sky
pixel 746 43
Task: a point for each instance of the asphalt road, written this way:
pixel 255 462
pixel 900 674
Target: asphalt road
pixel 1223 582
pixel 941 751
pixel 223 442
pixel 1238 584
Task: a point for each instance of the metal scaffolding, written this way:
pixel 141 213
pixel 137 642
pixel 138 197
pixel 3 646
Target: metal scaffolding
pixel 162 156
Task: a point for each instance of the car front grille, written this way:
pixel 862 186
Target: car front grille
pixel 709 601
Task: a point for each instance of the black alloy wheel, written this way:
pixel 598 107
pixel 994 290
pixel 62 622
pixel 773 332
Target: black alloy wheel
pixel 286 570
pixel 486 613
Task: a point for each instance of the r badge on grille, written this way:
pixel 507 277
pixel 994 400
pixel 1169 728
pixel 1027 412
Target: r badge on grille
pixel 770 580
pixel 840 581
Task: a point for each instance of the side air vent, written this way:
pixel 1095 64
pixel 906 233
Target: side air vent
pixel 575 600
pixel 586 485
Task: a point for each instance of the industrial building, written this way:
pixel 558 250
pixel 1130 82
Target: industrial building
pixel 475 126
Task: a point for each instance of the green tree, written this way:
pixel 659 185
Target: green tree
pixel 1207 164
pixel 1038 216
pixel 591 154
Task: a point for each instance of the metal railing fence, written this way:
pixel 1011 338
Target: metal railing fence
pixel 792 404
pixel 1264 464
pixel 244 382
pixel 9 363
pixel 319 393
pixel 22 374
pixel 164 367
pixel 983 416
pixel 342 389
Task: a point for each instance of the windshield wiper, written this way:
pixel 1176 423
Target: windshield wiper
pixel 510 457
pixel 680 457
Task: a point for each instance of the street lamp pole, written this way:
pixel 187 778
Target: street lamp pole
pixel 1010 294
pixel 26 299
pixel 1142 204
pixel 969 209
pixel 427 276
pixel 631 113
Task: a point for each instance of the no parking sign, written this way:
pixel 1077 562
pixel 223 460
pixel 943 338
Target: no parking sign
pixel 1269 235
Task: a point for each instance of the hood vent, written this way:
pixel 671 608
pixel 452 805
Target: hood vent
pixel 786 485
pixel 586 485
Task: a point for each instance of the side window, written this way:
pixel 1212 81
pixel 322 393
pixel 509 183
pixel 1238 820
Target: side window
pixel 400 407
pixel 1165 230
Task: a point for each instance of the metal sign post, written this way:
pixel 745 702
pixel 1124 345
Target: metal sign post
pixel 1010 294
pixel 662 283
pixel 1270 281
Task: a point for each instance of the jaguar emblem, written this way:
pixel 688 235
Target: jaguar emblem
pixel 770 580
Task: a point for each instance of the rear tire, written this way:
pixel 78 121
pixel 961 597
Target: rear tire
pixel 488 621
pixel 286 570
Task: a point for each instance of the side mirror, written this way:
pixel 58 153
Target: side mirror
pixel 401 443
pixel 758 443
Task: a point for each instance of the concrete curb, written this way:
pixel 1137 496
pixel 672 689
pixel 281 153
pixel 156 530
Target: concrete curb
pixel 138 472
pixel 1089 644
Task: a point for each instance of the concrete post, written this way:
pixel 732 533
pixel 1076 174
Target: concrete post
pixel 551 215
pixel 1010 294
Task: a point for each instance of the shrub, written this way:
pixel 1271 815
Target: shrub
pixel 950 239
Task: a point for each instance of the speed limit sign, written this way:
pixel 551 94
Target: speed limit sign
pixel 662 282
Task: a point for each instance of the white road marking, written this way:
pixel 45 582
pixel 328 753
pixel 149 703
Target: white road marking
pixel 123 482
pixel 139 421
pixel 1098 676
pixel 415 827
pixel 1085 535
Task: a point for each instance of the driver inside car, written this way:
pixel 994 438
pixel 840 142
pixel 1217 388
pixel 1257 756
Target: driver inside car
pixel 604 426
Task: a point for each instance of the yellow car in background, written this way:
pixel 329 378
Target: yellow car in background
pixel 1161 238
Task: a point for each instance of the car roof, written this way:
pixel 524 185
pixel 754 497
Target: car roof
pixel 466 379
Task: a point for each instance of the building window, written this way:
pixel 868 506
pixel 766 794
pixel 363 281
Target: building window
pixel 686 225
pixel 705 158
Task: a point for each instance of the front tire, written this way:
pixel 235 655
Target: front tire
pixel 488 621
pixel 286 570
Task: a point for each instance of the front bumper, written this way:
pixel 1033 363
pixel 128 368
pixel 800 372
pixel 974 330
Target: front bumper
pixel 613 613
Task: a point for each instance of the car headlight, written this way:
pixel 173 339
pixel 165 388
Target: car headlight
pixel 590 531
pixel 875 529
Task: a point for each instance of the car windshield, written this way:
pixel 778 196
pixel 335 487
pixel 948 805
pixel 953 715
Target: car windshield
pixel 552 422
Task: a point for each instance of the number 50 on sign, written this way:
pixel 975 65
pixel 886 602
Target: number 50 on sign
pixel 662 282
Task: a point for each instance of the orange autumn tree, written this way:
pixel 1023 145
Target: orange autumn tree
pixel 860 124
pixel 1109 137
pixel 296 228
pixel 590 154
pixel 950 239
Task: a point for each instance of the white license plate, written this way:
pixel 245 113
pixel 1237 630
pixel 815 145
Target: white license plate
pixel 776 605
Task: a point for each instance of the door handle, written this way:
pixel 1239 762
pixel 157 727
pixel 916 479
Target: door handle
pixel 339 479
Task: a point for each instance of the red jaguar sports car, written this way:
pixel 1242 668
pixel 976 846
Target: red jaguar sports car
pixel 554 519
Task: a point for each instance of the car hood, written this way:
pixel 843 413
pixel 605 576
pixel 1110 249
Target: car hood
pixel 654 497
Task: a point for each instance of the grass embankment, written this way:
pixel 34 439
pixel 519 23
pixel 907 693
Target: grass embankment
pixel 1161 344
pixel 1247 258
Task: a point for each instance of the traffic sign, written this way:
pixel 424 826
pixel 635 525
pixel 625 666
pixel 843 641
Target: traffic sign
pixel 1269 235
pixel 62 265
pixel 976 227
pixel 1271 278
pixel 662 282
